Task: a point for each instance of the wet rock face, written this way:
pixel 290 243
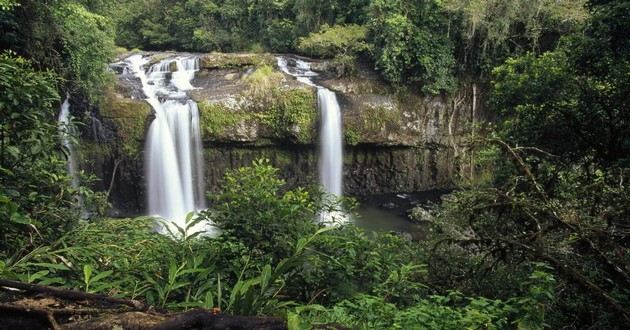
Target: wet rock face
pixel 367 170
pixel 395 141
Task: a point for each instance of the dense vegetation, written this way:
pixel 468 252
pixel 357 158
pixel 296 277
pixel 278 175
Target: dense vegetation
pixel 537 236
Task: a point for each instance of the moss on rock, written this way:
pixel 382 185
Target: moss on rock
pixel 130 118
pixel 294 114
pixel 223 123
pixel 372 124
pixel 263 109
pixel 215 61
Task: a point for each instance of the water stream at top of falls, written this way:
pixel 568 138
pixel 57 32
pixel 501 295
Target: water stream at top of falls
pixel 173 151
pixel 331 135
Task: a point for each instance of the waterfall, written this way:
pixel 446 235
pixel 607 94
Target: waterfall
pixel 331 153
pixel 173 154
pixel 66 130
pixel 331 140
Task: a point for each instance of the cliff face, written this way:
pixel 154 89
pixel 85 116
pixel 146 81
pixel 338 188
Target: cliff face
pixel 395 140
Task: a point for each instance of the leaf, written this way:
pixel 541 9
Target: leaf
pixel 101 275
pixel 20 219
pixel 265 277
pixel 38 275
pixel 52 280
pixel 48 265
pixel 208 302
pixel 87 273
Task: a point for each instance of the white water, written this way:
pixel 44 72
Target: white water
pixel 331 148
pixel 331 131
pixel 65 132
pixel 173 154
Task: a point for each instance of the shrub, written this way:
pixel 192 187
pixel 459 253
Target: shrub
pixel 333 41
pixel 252 209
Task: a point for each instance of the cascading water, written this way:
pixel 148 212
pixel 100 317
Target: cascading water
pixel 173 155
pixel 331 154
pixel 331 130
pixel 65 132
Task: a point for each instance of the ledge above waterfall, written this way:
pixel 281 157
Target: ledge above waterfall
pixel 246 98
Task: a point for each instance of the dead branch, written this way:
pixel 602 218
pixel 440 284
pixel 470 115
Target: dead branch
pixel 73 295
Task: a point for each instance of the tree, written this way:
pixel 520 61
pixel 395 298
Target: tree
pixel 36 201
pixel 559 163
pixel 572 102
pixel 411 45
pixel 487 32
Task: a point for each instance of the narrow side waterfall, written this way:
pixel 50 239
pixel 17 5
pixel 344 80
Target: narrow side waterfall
pixel 66 130
pixel 331 136
pixel 173 155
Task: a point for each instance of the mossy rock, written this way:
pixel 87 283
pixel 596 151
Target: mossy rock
pixel 288 115
pixel 263 109
pixel 372 124
pixel 222 123
pixel 215 61
pixel 130 117
pixel 294 115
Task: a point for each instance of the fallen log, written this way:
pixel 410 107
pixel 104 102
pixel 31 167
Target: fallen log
pixel 73 295
pixel 34 307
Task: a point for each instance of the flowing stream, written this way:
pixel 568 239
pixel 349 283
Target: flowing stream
pixel 331 136
pixel 173 155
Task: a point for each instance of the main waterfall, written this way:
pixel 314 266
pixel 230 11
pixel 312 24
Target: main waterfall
pixel 173 155
pixel 331 141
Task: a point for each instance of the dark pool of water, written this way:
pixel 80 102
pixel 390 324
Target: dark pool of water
pixel 388 212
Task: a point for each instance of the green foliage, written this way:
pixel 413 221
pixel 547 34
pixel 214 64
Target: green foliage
pixel 451 311
pixel 218 120
pixel 8 4
pixel 252 209
pixel 335 40
pixel 35 195
pixel 411 44
pixel 268 258
pixel 493 30
pixel 570 102
pixel 87 44
pixel 280 35
pixel 351 137
pixel 558 165
pixel 293 114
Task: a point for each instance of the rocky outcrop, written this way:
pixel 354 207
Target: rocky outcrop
pixel 395 140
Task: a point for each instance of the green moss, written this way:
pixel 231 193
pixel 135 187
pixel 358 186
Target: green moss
pixel 130 117
pixel 215 61
pixel 261 85
pixel 371 123
pixel 378 118
pixel 157 58
pixel 351 137
pixel 218 121
pixel 266 106
pixel 294 114
pixel 92 152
